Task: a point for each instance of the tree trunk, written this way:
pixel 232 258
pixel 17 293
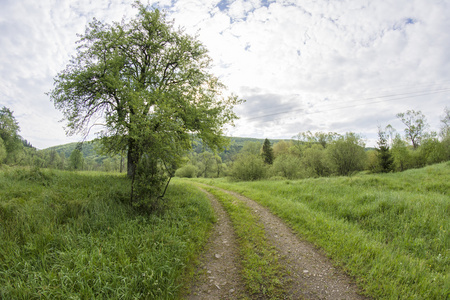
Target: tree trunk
pixel 121 162
pixel 132 159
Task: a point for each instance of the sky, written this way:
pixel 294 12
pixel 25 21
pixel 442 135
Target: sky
pixel 331 66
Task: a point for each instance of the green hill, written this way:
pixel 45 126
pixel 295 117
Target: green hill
pixel 90 149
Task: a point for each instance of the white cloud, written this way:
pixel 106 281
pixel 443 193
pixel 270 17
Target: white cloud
pixel 326 61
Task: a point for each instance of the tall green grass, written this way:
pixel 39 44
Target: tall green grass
pixel 391 231
pixel 70 236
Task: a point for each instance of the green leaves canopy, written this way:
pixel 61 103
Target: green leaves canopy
pixel 10 141
pixel 148 84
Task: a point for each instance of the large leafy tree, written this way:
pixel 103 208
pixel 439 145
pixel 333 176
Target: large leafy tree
pixel 10 140
pixel 416 125
pixel 150 85
pixel 76 159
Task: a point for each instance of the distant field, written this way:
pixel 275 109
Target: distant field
pixel 390 231
pixel 70 236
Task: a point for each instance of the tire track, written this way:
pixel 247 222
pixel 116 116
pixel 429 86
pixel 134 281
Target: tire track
pixel 313 275
pixel 218 276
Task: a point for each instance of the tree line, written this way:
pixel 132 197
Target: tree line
pixel 17 151
pixel 325 154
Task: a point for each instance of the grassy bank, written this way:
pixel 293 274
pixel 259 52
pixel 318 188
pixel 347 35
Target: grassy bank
pixel 69 235
pixel 390 231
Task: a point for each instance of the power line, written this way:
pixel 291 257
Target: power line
pixel 410 95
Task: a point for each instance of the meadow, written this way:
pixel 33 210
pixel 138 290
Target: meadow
pixel 72 235
pixel 389 231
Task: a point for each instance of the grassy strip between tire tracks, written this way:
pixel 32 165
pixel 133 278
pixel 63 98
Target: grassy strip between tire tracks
pixel 263 275
pixel 390 231
pixel 70 235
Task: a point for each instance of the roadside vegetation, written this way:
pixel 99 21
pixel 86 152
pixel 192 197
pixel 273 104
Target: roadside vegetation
pixel 67 235
pixel 390 231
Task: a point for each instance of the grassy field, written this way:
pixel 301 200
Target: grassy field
pixel 389 231
pixel 70 236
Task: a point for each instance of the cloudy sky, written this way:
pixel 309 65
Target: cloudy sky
pixel 337 65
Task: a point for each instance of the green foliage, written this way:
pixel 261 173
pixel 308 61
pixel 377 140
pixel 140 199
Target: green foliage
pixel 252 148
pixel 152 85
pixel 2 151
pixel 148 184
pixel 187 171
pixel 66 235
pixel 94 158
pixel 347 154
pixel 389 231
pixel 205 164
pixel 76 160
pixel 415 123
pixel 267 152
pixel 248 167
pixel 9 134
pixel 314 160
pixel 401 155
pixel 321 138
pixel 287 166
pixel 446 144
pixel 384 157
pixel 143 74
pixel 282 147
pixel 445 126
pixel 432 151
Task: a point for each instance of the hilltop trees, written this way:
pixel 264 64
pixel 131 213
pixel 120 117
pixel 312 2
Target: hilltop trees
pixel 150 85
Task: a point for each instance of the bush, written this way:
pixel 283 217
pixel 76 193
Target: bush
pixel 314 160
pixel 187 171
pixel 287 166
pixel 248 167
pixel 432 151
pixel 347 154
pixel 401 155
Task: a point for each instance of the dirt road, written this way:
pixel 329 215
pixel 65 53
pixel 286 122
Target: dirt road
pixel 312 274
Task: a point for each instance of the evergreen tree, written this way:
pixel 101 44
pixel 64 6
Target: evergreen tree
pixel 384 156
pixel 267 152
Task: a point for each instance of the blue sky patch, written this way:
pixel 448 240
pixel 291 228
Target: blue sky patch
pixel 223 5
